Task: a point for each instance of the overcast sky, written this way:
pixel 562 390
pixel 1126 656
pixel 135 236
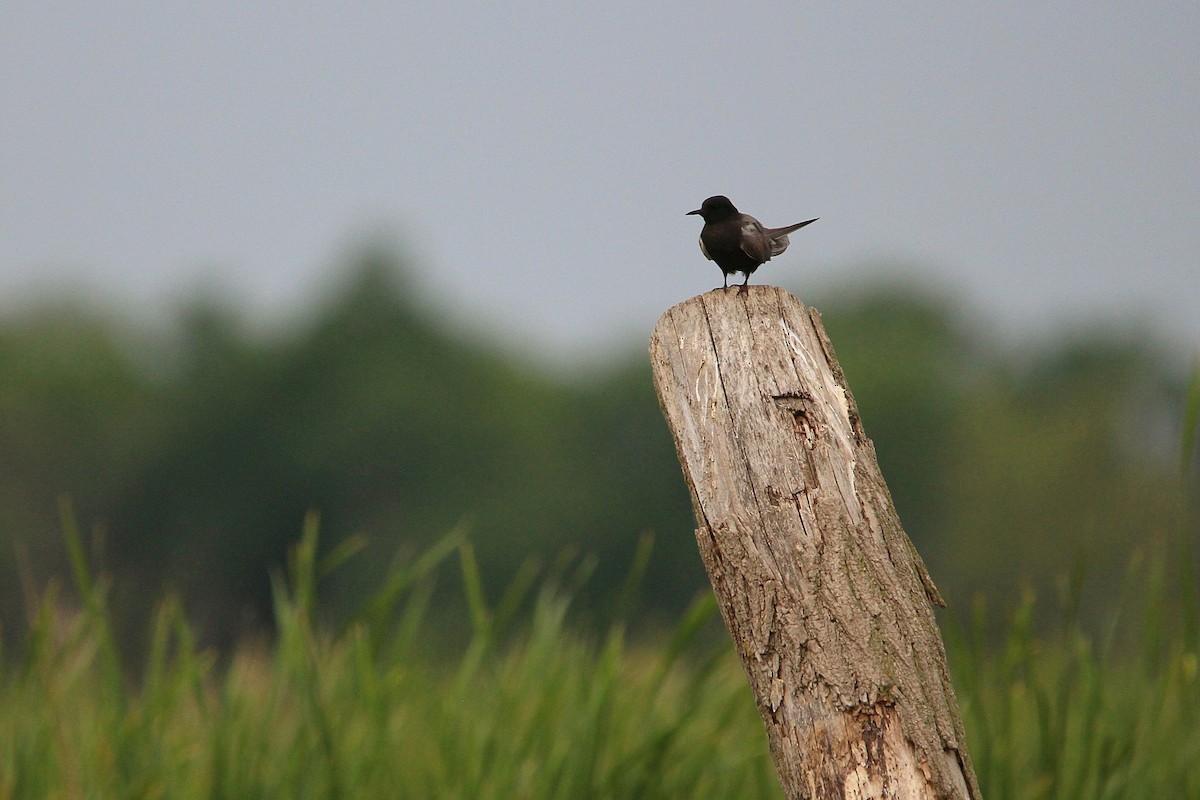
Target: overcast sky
pixel 1040 160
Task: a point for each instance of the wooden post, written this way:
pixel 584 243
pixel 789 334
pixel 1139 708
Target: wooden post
pixel 827 601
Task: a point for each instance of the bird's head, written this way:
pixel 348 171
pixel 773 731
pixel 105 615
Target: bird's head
pixel 715 209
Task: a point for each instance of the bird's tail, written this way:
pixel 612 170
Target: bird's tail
pixel 779 238
pixel 784 231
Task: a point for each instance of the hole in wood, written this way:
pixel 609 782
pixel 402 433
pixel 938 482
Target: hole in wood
pixel 803 411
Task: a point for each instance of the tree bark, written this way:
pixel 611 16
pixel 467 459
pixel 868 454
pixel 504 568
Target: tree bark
pixel 828 603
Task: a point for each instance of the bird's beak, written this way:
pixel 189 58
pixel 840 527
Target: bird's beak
pixel 697 211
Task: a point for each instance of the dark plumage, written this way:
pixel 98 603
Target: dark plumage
pixel 738 242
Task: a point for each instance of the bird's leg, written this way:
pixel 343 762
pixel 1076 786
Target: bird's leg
pixel 745 287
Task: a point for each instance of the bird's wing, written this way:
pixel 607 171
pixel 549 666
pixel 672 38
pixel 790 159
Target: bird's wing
pixel 779 244
pixel 755 241
pixel 704 249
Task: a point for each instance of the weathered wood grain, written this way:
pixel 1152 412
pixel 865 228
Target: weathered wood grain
pixel 827 601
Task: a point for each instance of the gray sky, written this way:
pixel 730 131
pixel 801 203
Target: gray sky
pixel 1040 160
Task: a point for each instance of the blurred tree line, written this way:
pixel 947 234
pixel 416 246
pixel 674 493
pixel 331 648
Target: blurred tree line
pixel 192 459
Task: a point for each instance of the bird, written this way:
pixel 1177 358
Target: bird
pixel 738 242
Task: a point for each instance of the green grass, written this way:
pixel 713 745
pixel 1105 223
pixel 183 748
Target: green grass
pixel 1069 714
pixel 527 709
pixel 531 708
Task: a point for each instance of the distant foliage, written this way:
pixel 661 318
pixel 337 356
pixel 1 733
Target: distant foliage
pixel 192 455
pixel 1010 467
